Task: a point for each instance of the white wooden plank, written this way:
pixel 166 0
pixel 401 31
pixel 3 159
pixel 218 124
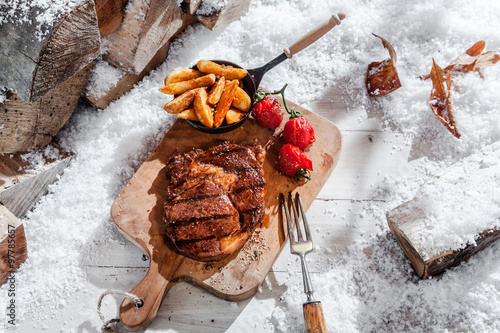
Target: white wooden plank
pixel 118 253
pixel 367 158
pixel 338 107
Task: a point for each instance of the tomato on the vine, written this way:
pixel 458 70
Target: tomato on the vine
pixel 298 132
pixel 293 162
pixel 267 112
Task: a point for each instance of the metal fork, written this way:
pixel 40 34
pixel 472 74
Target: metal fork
pixel 313 311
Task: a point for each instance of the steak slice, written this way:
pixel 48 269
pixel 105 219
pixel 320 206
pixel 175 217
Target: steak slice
pixel 215 199
pixel 203 211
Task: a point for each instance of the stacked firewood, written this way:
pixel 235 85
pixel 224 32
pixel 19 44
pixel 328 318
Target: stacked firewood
pixel 46 70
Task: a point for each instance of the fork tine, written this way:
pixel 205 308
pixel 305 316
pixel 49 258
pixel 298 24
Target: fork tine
pixel 304 219
pixel 300 237
pixel 288 219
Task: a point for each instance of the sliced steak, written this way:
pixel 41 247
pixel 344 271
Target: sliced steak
pixel 203 211
pixel 215 199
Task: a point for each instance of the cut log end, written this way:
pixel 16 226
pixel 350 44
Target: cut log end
pixel 28 125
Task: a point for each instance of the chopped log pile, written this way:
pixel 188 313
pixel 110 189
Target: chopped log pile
pixel 20 188
pixel 142 41
pixel 46 68
pixel 45 72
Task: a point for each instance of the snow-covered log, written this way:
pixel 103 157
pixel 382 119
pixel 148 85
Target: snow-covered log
pixel 37 57
pixel 213 16
pixel 453 216
pixel 22 184
pixel 146 27
pixel 46 55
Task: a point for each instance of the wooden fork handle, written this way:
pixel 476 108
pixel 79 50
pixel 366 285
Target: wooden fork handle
pixel 314 318
pixel 314 35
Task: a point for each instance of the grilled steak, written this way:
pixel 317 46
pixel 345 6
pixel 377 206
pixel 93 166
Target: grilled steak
pixel 215 199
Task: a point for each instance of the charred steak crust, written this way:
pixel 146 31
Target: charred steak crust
pixel 215 199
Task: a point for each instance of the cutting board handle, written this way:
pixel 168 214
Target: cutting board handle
pixel 151 290
pixel 314 35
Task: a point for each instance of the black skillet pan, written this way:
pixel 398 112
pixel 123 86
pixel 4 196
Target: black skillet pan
pixel 252 80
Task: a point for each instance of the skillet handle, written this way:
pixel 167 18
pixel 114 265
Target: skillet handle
pixel 152 289
pixel 313 35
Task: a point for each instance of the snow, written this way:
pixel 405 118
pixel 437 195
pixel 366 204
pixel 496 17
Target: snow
pixel 458 204
pixel 367 287
pixel 102 78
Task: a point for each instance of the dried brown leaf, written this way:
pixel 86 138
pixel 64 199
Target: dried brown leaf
pixel 471 61
pixel 440 99
pixel 382 77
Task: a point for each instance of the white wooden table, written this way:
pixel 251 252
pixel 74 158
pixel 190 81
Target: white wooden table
pixel 368 155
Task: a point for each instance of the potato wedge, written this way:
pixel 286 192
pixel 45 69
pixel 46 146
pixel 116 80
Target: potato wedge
pixel 177 88
pixel 241 100
pixel 184 74
pixel 188 114
pixel 202 109
pixel 234 115
pixel 181 102
pixel 230 73
pixel 225 102
pixel 216 92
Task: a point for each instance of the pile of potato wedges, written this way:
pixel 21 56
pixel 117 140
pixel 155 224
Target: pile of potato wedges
pixel 211 94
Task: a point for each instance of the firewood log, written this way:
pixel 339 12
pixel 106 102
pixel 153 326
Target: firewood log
pixel 193 5
pixel 146 27
pixel 109 15
pixel 27 125
pixel 452 217
pixel 21 187
pixel 34 62
pixel 230 11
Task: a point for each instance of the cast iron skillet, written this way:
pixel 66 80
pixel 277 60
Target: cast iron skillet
pixel 252 80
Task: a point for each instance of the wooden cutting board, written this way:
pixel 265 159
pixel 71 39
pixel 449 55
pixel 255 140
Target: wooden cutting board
pixel 138 214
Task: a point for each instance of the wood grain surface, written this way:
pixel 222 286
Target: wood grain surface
pixel 138 214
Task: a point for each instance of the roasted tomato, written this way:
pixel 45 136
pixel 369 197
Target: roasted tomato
pixel 294 162
pixel 268 112
pixel 298 132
